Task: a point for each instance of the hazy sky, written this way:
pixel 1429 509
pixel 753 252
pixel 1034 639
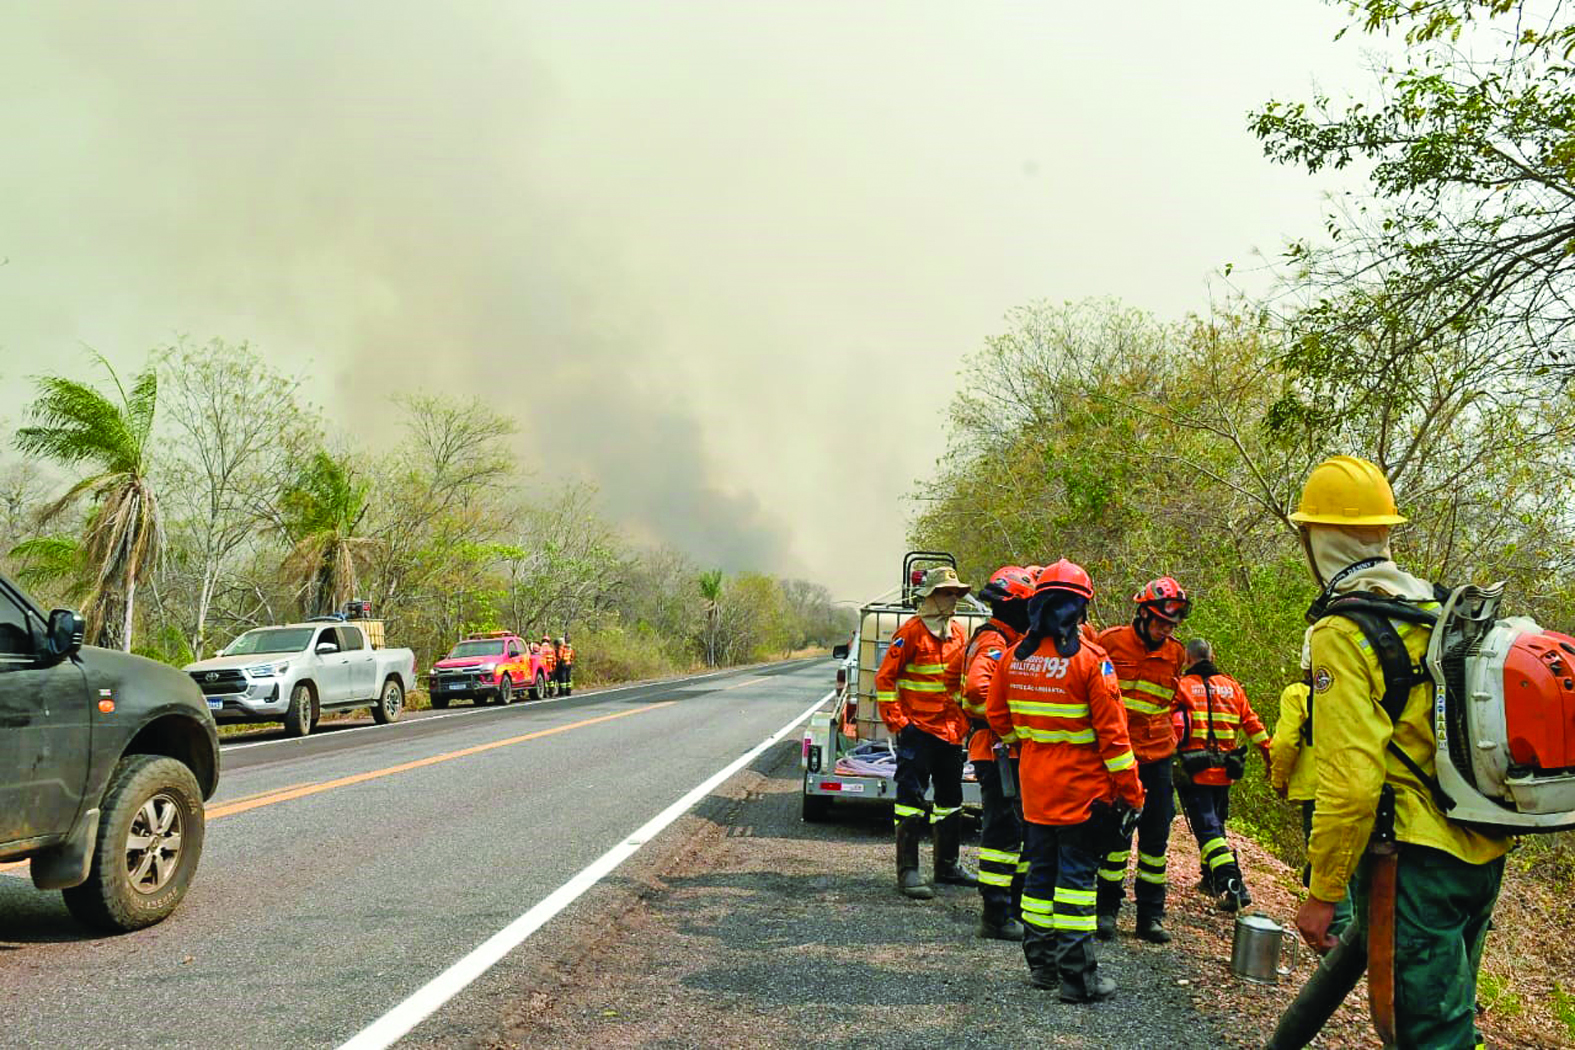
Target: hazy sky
pixel 722 259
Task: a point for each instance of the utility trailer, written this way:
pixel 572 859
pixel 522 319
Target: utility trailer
pixel 852 719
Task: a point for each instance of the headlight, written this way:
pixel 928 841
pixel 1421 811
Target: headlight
pixel 268 670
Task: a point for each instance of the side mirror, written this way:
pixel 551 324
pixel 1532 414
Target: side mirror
pixel 64 636
pixel 839 652
pixel 324 648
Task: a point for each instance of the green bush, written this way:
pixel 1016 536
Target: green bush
pixel 614 653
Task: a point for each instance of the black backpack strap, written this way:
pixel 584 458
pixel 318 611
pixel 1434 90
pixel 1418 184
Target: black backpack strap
pixel 1306 730
pixel 1375 617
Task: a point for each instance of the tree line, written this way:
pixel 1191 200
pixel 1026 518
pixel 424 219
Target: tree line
pixel 205 496
pixel 1426 328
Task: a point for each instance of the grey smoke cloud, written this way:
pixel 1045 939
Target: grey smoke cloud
pixel 721 259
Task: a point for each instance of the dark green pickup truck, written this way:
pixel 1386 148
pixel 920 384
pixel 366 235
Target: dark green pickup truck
pixel 105 760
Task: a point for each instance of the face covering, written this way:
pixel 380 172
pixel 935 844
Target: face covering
pixel 936 609
pixel 1014 614
pixel 1054 615
pixel 1333 548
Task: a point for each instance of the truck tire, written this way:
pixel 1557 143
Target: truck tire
pixel 149 841
pixel 815 808
pixel 390 703
pixel 505 689
pixel 302 713
pixel 439 703
pixel 538 687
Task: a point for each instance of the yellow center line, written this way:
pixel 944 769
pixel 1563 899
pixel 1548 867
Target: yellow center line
pixel 270 791
pixel 269 798
pixel 290 794
pixel 736 685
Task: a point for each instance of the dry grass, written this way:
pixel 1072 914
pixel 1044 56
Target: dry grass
pixel 1527 987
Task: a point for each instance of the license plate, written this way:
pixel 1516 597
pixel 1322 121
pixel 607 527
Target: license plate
pixel 453 687
pixel 215 705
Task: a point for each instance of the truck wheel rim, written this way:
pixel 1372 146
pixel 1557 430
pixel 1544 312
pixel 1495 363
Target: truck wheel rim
pixel 391 699
pixel 153 843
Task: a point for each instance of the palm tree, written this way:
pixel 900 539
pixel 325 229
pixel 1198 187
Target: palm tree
pixel 320 512
pixel 711 590
pixel 73 424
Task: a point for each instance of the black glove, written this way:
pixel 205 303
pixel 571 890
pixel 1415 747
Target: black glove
pixel 1126 819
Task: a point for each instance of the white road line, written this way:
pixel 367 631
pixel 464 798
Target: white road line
pixel 484 710
pixel 395 1024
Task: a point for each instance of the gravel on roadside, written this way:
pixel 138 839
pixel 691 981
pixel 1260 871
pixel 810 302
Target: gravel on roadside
pixel 749 928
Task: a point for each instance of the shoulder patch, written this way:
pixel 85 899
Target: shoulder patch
pixel 994 654
pixel 897 644
pixel 1107 668
pixel 1323 678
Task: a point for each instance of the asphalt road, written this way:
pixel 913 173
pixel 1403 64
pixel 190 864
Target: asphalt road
pixel 345 870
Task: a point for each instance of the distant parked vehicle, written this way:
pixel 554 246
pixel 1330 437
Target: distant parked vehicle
pixel 490 667
pixel 294 672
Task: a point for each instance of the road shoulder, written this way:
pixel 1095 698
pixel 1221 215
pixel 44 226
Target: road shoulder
pixel 744 927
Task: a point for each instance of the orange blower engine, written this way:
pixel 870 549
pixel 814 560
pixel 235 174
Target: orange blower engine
pixel 1504 716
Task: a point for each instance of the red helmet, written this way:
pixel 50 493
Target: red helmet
pixel 1165 599
pixel 1011 583
pixel 1064 576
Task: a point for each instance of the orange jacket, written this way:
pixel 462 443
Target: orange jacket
pixel 910 686
pixel 1148 688
pixel 969 673
pixel 566 656
pixel 549 658
pixel 1223 706
pixel 1067 714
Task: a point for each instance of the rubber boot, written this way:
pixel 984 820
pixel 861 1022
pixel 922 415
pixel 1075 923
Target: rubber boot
pixel 948 841
pixel 997 924
pixel 909 883
pixel 1106 928
pixel 1149 929
pixel 1088 990
pixel 1234 897
pixel 1039 949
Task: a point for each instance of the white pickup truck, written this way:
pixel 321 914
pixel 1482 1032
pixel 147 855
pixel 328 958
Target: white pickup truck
pixel 295 672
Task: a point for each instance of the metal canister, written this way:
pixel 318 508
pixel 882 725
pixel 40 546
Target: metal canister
pixel 1257 949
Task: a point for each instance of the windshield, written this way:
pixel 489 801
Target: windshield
pixel 464 649
pixel 271 640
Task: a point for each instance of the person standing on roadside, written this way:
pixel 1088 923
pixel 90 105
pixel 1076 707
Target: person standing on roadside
pixel 1148 664
pixel 1056 696
pixel 1424 886
pixel 927 724
pixel 1001 834
pixel 565 657
pixel 1293 769
pixel 1211 712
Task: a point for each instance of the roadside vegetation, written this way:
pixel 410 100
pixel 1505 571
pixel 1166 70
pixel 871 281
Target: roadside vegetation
pixel 206 497
pixel 1425 328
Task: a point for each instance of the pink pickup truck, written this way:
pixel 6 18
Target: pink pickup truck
pixel 486 668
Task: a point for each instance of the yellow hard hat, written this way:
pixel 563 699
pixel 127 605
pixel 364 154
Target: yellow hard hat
pixel 1345 490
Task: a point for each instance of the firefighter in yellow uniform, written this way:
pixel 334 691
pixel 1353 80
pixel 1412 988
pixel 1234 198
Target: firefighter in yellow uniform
pixel 1293 768
pixel 1436 881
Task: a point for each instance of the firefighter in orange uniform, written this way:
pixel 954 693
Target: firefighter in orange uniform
pixel 1001 833
pixel 1211 711
pixel 1148 663
pixel 1056 696
pixel 565 656
pixel 928 726
pixel 549 661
